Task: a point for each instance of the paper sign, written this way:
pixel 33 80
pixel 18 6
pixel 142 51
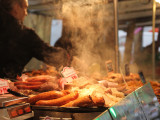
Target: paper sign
pixel 48 118
pixel 69 74
pixel 3 86
pixel 109 66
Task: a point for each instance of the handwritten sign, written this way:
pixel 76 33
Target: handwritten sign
pixel 3 86
pixel 69 74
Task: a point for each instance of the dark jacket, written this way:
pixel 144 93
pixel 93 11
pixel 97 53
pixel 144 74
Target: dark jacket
pixel 18 44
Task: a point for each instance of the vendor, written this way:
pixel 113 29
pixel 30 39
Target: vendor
pixel 19 44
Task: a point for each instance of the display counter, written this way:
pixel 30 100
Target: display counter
pixel 142 104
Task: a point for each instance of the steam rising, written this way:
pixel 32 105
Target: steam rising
pixel 89 25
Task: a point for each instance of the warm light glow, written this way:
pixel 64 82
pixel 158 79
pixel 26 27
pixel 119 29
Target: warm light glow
pixel 158 1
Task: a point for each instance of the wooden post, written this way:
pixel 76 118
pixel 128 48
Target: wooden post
pixel 153 39
pixel 129 43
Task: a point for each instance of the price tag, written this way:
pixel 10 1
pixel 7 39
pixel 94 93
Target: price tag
pixel 3 86
pixel 109 66
pixel 69 74
pixel 142 77
pixel 127 70
pixel 48 118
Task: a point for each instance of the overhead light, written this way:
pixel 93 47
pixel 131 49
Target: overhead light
pixel 158 1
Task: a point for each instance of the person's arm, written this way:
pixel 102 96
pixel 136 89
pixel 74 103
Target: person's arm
pixel 55 56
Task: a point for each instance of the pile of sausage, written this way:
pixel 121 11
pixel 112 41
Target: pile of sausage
pixel 65 98
pixel 38 83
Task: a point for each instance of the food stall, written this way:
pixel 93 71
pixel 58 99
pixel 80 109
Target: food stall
pixel 95 84
pixel 77 97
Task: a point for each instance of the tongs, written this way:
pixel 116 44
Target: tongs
pixel 16 93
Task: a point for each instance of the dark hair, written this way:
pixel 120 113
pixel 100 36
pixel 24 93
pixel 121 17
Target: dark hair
pixel 7 4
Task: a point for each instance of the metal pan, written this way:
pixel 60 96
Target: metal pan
pixel 69 109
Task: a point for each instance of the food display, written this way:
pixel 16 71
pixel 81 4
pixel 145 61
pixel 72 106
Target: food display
pixel 59 101
pixel 50 88
pixel 53 88
pixel 46 96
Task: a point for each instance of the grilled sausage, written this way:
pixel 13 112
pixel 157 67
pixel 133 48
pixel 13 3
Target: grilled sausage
pixel 41 78
pixel 47 96
pixel 85 101
pixel 59 101
pixel 25 87
pixel 27 83
pixel 98 101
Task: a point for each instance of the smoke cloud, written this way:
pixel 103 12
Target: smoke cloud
pixel 89 26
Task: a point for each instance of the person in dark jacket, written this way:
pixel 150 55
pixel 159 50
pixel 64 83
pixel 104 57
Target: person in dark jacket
pixel 18 44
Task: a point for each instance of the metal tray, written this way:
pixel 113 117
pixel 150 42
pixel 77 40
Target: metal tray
pixel 69 109
pixel 9 99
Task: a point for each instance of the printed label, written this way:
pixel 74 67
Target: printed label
pixel 69 74
pixel 3 86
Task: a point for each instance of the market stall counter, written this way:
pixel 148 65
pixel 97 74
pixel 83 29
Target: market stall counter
pixel 73 95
